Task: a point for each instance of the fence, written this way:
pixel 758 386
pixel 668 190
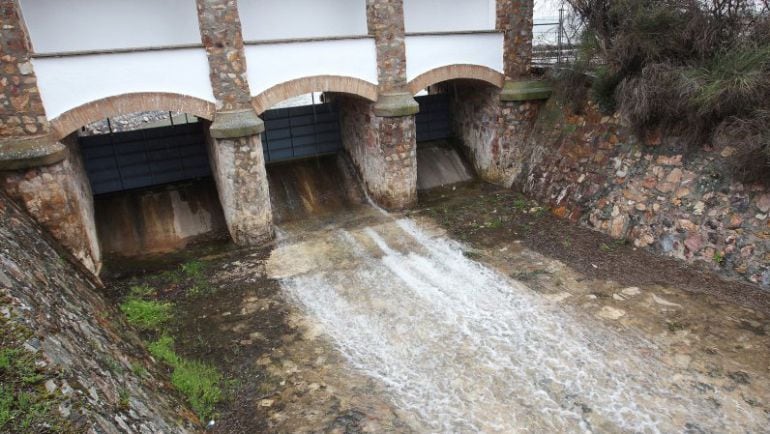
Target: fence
pixel 551 44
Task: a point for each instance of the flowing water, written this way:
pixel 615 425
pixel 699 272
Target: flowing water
pixel 459 347
pixel 462 348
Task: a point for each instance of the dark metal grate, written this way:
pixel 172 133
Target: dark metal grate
pixel 433 120
pixel 144 158
pixel 301 132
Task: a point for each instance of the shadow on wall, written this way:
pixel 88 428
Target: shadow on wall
pixel 160 219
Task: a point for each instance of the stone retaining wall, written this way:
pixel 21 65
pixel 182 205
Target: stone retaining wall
pixel 590 169
pixel 59 197
pixel 99 373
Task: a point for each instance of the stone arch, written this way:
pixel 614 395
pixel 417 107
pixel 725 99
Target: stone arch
pixel 71 120
pixel 453 72
pixel 318 83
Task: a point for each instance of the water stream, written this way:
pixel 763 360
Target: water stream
pixel 462 348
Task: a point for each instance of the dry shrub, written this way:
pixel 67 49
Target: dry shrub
pixel 689 68
pixel 750 137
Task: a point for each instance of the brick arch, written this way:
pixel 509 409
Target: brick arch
pixel 70 121
pixel 319 83
pixel 454 72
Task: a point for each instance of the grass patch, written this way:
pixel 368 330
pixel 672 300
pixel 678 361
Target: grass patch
pixel 520 204
pixel 142 291
pixel 198 381
pixel 146 315
pixel 193 272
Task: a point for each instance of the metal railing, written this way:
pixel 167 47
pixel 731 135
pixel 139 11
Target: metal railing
pixel 551 45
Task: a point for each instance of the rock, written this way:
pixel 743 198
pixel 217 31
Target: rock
pixel 675 176
pixel 667 243
pixel 664 302
pixel 699 208
pixel 735 222
pixel 631 291
pixel 693 243
pixel 763 203
pixel 64 410
pixel 51 386
pixel 674 160
pixel 618 226
pixel 611 313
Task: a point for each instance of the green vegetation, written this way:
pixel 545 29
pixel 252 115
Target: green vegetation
pixel 198 381
pixel 142 291
pixel 520 204
pixel 146 315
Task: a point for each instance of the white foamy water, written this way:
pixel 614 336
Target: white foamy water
pixel 461 348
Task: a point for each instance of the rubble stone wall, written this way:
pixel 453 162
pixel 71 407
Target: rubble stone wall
pixel 514 18
pixel 385 19
pixel 21 109
pixel 59 198
pixel 90 354
pixel 238 167
pixel 590 169
pixel 222 37
pixel 491 131
pixel 383 151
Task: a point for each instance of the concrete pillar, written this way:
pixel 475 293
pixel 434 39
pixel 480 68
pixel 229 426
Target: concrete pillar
pixel 46 177
pixel 235 144
pixel 388 161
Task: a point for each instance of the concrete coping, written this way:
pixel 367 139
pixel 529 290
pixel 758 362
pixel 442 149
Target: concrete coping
pixel 526 90
pixel 236 123
pixel 17 153
pixel 396 104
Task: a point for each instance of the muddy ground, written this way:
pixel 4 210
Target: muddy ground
pixel 283 375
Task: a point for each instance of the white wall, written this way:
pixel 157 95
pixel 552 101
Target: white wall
pixel 281 19
pixel 424 53
pixel 272 64
pixel 448 15
pixel 81 25
pixel 68 82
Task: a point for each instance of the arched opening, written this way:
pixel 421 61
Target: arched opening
pixel 145 161
pixel 308 167
pixel 457 106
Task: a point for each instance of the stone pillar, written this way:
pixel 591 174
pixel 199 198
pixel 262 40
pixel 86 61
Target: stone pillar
pixel 495 124
pixel 235 144
pixel 390 121
pixel 514 19
pixel 38 171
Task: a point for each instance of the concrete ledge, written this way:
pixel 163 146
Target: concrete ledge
pixel 28 152
pixel 526 90
pixel 235 124
pixel 397 104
